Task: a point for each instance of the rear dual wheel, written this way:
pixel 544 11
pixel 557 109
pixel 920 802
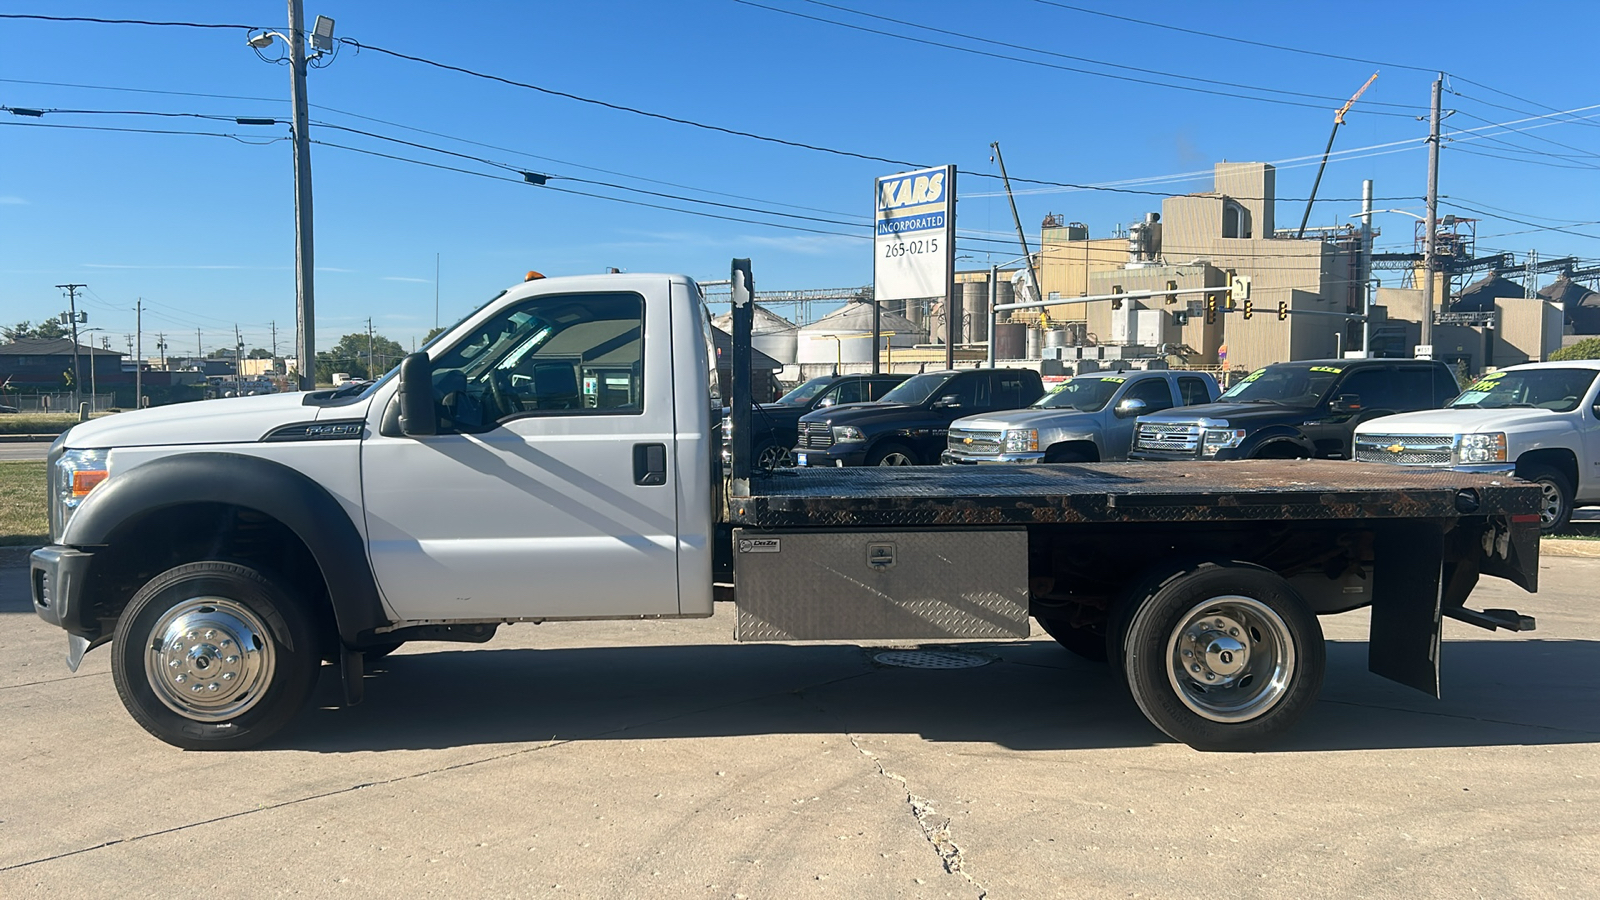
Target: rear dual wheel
pixel 1221 656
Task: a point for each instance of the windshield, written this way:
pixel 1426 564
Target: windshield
pixel 803 394
pixel 1289 385
pixel 917 388
pixel 1555 389
pixel 1083 394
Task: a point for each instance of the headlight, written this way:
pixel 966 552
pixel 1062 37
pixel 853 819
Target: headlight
pixel 1022 441
pixel 1217 439
pixel 77 473
pixel 843 433
pixel 1482 448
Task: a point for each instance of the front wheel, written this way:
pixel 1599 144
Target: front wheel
pixel 1223 657
pixel 1555 496
pixel 214 656
pixel 892 454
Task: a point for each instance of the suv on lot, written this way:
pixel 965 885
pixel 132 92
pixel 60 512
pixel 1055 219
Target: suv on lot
pixel 907 427
pixel 1087 418
pixel 775 426
pixel 1295 410
pixel 1539 421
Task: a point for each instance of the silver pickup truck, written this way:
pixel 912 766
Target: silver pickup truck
pixel 1088 418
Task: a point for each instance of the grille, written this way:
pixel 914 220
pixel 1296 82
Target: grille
pixel 1170 438
pixel 815 436
pixel 972 442
pixel 1405 449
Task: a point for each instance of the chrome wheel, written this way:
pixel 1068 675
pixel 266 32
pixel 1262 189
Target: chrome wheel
pixel 896 458
pixel 1550 504
pixel 209 659
pixel 1231 659
pixel 774 457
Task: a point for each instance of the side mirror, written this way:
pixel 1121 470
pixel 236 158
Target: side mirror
pixel 948 401
pixel 418 415
pixel 826 402
pixel 1131 407
pixel 1347 403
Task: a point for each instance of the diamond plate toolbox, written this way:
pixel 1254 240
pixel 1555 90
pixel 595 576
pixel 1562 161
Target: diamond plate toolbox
pixel 880 585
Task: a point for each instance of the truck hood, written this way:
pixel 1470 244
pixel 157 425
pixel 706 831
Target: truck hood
pixel 1464 421
pixel 1243 413
pixel 1028 418
pixel 860 414
pixel 229 420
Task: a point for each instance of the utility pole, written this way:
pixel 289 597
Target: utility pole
pixel 304 254
pixel 199 350
pixel 138 354
pixel 369 348
pixel 1366 267
pixel 238 354
pixel 1431 223
pixel 274 345
pixel 161 345
pixel 72 306
pixel 435 290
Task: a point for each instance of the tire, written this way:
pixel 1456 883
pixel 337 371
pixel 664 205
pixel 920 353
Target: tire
pixel 1225 656
pixel 177 663
pixel 1280 450
pixel 1555 506
pixel 1089 643
pixel 892 454
pixel 770 456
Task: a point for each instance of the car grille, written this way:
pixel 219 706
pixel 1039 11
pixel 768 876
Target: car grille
pixel 1165 437
pixel 1405 449
pixel 815 436
pixel 972 442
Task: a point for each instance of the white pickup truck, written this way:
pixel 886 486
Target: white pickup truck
pixel 555 456
pixel 1539 421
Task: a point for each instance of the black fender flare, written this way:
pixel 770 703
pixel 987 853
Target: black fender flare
pixel 1274 434
pixel 270 488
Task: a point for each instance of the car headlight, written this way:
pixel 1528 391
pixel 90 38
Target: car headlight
pixel 77 473
pixel 1218 439
pixel 1482 448
pixel 843 433
pixel 1022 441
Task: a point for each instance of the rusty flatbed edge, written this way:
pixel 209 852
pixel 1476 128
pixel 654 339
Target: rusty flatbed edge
pixel 1247 490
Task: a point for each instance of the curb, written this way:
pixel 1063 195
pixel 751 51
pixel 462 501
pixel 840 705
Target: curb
pixel 27 438
pixel 1573 549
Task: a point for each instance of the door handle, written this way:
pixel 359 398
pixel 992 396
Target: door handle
pixel 649 464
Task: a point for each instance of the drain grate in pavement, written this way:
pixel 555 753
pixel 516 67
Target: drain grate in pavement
pixel 932 659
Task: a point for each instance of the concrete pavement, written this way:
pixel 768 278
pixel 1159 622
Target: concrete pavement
pixel 626 759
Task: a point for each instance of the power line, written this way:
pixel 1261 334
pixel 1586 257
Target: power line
pixel 1033 62
pixel 100 21
pixel 1459 205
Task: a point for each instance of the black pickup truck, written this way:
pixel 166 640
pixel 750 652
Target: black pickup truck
pixel 1295 410
pixel 908 426
pixel 777 423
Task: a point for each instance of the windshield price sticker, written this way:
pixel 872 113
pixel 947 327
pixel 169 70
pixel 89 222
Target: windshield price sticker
pixel 1114 380
pixel 1253 376
pixel 1472 395
pixel 1334 369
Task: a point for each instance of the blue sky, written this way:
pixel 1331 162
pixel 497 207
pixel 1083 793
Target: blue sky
pixel 202 227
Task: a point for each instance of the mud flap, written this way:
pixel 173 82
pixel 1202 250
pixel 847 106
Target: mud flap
pixel 1408 582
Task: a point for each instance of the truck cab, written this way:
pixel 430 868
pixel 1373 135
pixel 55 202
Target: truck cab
pixel 1295 410
pixel 1087 418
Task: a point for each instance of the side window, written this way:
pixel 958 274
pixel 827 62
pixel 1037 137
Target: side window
pixel 965 391
pixel 1445 388
pixel 850 392
pixel 1153 391
pixel 1377 388
pixel 1193 390
pixel 876 388
pixel 555 355
pixel 1009 393
pixel 1414 388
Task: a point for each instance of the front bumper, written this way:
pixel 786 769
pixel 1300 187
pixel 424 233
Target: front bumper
pixel 57 577
pixel 1021 459
pixel 851 454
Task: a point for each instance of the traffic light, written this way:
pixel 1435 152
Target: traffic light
pixel 1116 289
pixel 1249 308
pixel 1211 309
pixel 1116 304
pixel 1283 310
pixel 1172 298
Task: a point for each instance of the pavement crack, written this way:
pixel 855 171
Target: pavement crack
pixel 10 687
pixel 935 828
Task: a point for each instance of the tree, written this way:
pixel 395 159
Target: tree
pixel 1588 348
pixel 260 353
pixel 48 330
pixel 350 355
pixel 433 333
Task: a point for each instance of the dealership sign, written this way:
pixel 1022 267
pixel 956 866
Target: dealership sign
pixel 914 246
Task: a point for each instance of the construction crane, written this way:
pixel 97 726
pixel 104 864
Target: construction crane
pixel 1338 119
